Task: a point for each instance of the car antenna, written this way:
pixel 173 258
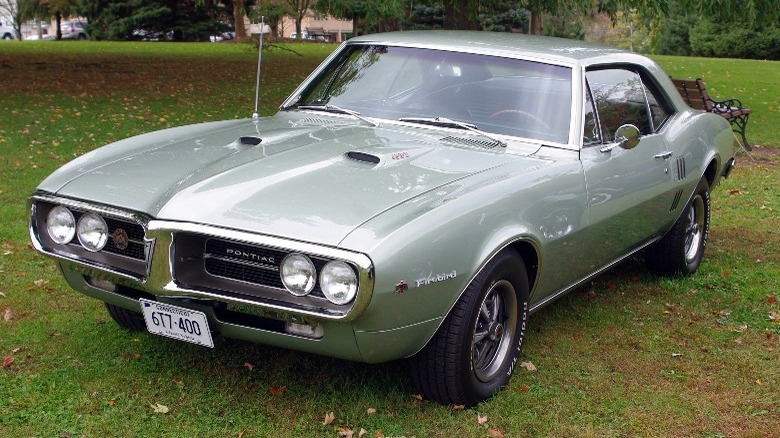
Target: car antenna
pixel 255 115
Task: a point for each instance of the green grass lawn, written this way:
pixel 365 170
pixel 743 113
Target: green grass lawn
pixel 627 355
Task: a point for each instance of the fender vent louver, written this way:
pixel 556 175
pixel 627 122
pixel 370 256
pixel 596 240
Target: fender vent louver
pixel 473 142
pixel 676 201
pixel 363 157
pixel 680 168
pixel 250 141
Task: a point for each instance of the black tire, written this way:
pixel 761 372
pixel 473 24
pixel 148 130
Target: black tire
pixel 126 318
pixel 681 250
pixel 82 36
pixel 457 368
pixel 7 36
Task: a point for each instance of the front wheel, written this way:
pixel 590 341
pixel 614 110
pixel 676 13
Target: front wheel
pixel 473 354
pixel 681 250
pixel 125 318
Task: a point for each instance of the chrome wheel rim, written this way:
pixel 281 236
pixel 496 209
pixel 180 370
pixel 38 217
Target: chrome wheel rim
pixel 494 330
pixel 694 229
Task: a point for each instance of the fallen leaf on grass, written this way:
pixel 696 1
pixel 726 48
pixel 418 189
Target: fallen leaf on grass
pixel 481 420
pixel 8 315
pixel 277 390
pixel 177 381
pixel 523 389
pixel 7 361
pixel 249 366
pixel 2 294
pixel 417 396
pixel 735 192
pixel 459 407
pixel 362 432
pixel 528 366
pixel 329 417
pixel 770 299
pixel 346 433
pixel 495 433
pixel 112 402
pixel 159 409
pixel 774 316
pixel 370 411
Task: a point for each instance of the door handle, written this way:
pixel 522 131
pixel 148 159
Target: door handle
pixel 663 155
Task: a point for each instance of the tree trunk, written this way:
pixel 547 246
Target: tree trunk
pixel 461 15
pixel 58 16
pixel 238 19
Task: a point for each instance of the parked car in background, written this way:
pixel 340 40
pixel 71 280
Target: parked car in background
pixel 73 29
pixel 7 31
pixel 419 196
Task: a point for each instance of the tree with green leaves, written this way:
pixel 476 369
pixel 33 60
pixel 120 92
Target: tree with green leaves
pixel 299 9
pixel 19 11
pixel 178 20
pixel 366 15
pixel 274 12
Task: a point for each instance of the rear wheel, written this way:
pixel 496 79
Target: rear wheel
pixel 682 249
pixel 126 318
pixel 473 354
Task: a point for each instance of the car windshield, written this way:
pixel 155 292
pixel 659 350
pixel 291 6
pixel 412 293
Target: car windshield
pixel 495 94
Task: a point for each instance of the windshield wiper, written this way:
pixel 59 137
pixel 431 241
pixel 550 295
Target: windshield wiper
pixel 450 123
pixel 338 110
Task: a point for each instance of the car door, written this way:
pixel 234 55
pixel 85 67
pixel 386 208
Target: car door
pixel 628 190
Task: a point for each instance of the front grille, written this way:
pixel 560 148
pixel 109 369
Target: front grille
pixel 249 263
pixel 135 237
pixel 127 258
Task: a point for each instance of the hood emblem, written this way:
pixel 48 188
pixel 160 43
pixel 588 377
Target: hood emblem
pixel 121 240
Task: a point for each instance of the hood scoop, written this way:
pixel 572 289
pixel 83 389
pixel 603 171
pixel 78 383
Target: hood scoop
pixel 471 142
pixel 363 157
pixel 250 141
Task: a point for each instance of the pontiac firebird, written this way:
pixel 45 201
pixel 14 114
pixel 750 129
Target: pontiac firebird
pixel 418 196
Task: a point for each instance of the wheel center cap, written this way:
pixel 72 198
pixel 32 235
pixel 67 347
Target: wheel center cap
pixel 496 331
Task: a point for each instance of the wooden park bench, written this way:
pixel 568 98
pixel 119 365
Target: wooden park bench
pixel 695 94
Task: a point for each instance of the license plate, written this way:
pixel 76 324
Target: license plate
pixel 177 322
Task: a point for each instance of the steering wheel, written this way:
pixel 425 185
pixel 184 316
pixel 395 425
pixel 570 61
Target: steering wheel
pixel 521 113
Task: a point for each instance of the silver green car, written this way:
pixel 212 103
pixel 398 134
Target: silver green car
pixel 418 196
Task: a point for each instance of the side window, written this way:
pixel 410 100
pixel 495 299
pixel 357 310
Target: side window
pixel 619 97
pixel 657 110
pixel 591 134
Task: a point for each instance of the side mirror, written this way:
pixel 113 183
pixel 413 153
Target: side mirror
pixel 627 136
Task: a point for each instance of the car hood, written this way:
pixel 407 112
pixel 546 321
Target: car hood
pixel 313 178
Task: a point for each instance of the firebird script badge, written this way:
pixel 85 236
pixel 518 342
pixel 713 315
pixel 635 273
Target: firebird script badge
pixel 436 278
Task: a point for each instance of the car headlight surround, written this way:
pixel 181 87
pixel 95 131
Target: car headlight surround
pixel 298 274
pixel 92 232
pixel 61 225
pixel 338 282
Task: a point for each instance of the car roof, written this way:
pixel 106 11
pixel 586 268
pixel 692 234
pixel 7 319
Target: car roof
pixel 514 44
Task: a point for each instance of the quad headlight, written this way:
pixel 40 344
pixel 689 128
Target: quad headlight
pixel 61 225
pixel 298 274
pixel 338 282
pixel 92 232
